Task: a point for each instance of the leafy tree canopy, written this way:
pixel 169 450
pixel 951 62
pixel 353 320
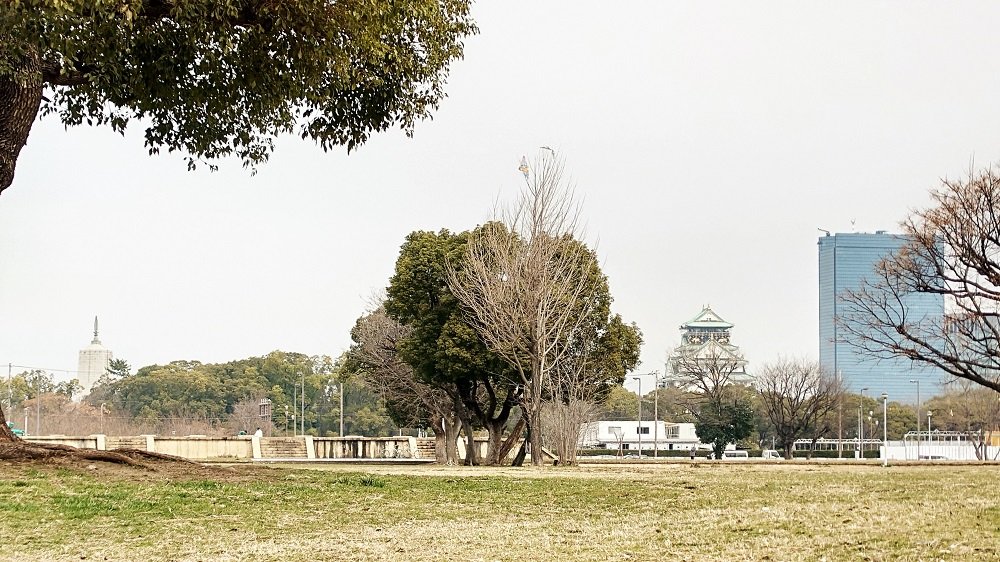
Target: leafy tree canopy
pixel 215 78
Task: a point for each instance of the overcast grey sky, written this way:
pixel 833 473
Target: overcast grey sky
pixel 709 140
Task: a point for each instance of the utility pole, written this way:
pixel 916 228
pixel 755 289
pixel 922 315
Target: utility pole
pixel 639 429
pixel 861 424
pixel 342 408
pixel 656 414
pixel 840 411
pixel 918 416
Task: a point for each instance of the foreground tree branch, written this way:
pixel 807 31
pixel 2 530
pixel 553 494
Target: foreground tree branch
pixel 952 250
pixel 219 78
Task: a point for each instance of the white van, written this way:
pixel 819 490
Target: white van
pixel 735 455
pixel 770 454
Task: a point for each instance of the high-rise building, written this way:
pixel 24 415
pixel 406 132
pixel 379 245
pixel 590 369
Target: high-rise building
pixel 845 261
pixel 94 360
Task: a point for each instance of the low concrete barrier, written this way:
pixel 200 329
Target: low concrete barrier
pixel 246 448
pixel 366 448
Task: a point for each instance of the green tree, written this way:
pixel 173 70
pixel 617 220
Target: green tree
pixel 620 404
pixel 727 420
pixel 214 78
pixel 441 347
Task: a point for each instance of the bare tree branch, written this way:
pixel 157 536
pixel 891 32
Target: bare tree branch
pixel 952 250
pixel 523 283
pixel 796 395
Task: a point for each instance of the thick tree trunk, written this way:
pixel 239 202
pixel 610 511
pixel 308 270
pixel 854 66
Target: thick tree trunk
pixel 452 428
pixel 494 432
pixel 440 439
pixel 535 435
pixel 445 439
pixel 523 451
pixel 5 433
pixel 471 450
pixel 533 399
pixel 20 97
pixel 789 446
pixel 511 440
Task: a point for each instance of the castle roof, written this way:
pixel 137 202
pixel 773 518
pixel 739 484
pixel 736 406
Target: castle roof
pixel 707 318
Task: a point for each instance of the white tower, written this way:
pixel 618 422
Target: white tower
pixel 94 360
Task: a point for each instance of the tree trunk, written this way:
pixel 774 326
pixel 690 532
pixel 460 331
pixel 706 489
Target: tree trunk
pixel 534 402
pixel 471 450
pixel 440 439
pixel 494 429
pixel 511 440
pixel 789 446
pixel 452 427
pixel 5 433
pixel 523 451
pixel 20 97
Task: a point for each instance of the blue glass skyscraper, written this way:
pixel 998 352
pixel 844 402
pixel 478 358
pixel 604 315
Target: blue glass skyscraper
pixel 845 261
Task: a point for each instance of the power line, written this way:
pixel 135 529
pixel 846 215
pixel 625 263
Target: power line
pixel 42 368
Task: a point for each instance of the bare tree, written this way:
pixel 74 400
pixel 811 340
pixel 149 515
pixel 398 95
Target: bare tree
pixel 969 408
pixel 571 402
pixel 952 250
pixel 377 337
pixel 720 406
pixel 522 281
pixel 796 395
pixel 245 415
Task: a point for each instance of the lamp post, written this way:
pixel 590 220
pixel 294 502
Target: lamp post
pixel 929 444
pixel 341 408
pixel 885 429
pixel 656 414
pixel 861 424
pixel 639 429
pixel 918 416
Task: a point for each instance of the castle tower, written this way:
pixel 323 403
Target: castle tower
pixel 94 360
pixel 705 346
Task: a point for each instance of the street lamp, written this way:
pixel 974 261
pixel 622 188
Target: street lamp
pixel 656 414
pixel 639 429
pixel 861 425
pixel 929 444
pixel 885 429
pixel 341 408
pixel 918 416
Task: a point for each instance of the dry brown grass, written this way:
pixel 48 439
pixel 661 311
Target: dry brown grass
pixel 651 512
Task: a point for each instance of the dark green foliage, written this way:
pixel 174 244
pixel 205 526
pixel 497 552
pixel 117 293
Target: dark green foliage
pixel 219 77
pixel 726 421
pixel 191 389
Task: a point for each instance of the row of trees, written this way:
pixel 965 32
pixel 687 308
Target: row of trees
pixel 794 400
pixel 509 320
pixel 193 397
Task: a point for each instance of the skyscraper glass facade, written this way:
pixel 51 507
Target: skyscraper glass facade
pixel 845 261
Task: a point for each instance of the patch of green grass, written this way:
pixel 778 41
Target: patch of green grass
pixel 720 512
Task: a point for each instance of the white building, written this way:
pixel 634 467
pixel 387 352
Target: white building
pixel 667 436
pixel 93 364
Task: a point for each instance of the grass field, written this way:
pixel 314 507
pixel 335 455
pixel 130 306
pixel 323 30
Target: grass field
pixel 658 512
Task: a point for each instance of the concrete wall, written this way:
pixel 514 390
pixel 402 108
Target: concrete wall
pixel 366 447
pixel 203 448
pixel 88 442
